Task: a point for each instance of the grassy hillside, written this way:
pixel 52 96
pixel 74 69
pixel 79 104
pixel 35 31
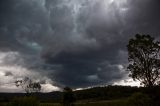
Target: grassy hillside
pixel 98 96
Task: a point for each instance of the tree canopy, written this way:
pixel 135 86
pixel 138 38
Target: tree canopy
pixel 28 85
pixel 68 97
pixel 144 59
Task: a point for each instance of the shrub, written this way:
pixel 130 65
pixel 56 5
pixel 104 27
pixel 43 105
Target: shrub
pixel 139 99
pixel 24 101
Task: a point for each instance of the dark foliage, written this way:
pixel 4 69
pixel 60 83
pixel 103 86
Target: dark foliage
pixel 28 85
pixel 106 93
pixel 95 94
pixel 68 97
pixel 144 59
pixel 140 99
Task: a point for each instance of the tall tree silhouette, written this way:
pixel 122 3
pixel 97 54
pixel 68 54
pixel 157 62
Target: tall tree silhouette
pixel 144 59
pixel 68 97
pixel 28 85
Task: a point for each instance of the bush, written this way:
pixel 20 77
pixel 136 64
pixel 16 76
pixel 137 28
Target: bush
pixel 139 99
pixel 24 101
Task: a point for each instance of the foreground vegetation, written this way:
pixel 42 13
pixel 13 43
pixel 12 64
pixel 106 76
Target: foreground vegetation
pixel 98 96
pixel 100 103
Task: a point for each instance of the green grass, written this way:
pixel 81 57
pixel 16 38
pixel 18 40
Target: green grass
pixel 50 104
pixel 100 103
pixel 3 104
pixel 104 103
pixel 120 102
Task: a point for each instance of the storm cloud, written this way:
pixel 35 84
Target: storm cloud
pixel 76 43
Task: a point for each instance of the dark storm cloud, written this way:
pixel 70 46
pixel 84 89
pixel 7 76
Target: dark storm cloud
pixel 78 69
pixel 21 22
pixel 143 17
pixel 77 43
pixel 111 34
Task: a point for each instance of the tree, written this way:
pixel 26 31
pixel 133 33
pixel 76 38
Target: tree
pixel 144 60
pixel 28 85
pixel 68 97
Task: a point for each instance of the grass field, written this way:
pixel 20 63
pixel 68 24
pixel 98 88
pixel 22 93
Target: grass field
pixel 102 103
pixel 120 102
pixel 50 104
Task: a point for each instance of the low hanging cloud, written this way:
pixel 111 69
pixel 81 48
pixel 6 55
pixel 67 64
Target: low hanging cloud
pixel 77 43
pixel 12 69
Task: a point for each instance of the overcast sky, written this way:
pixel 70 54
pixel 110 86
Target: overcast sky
pixel 76 43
